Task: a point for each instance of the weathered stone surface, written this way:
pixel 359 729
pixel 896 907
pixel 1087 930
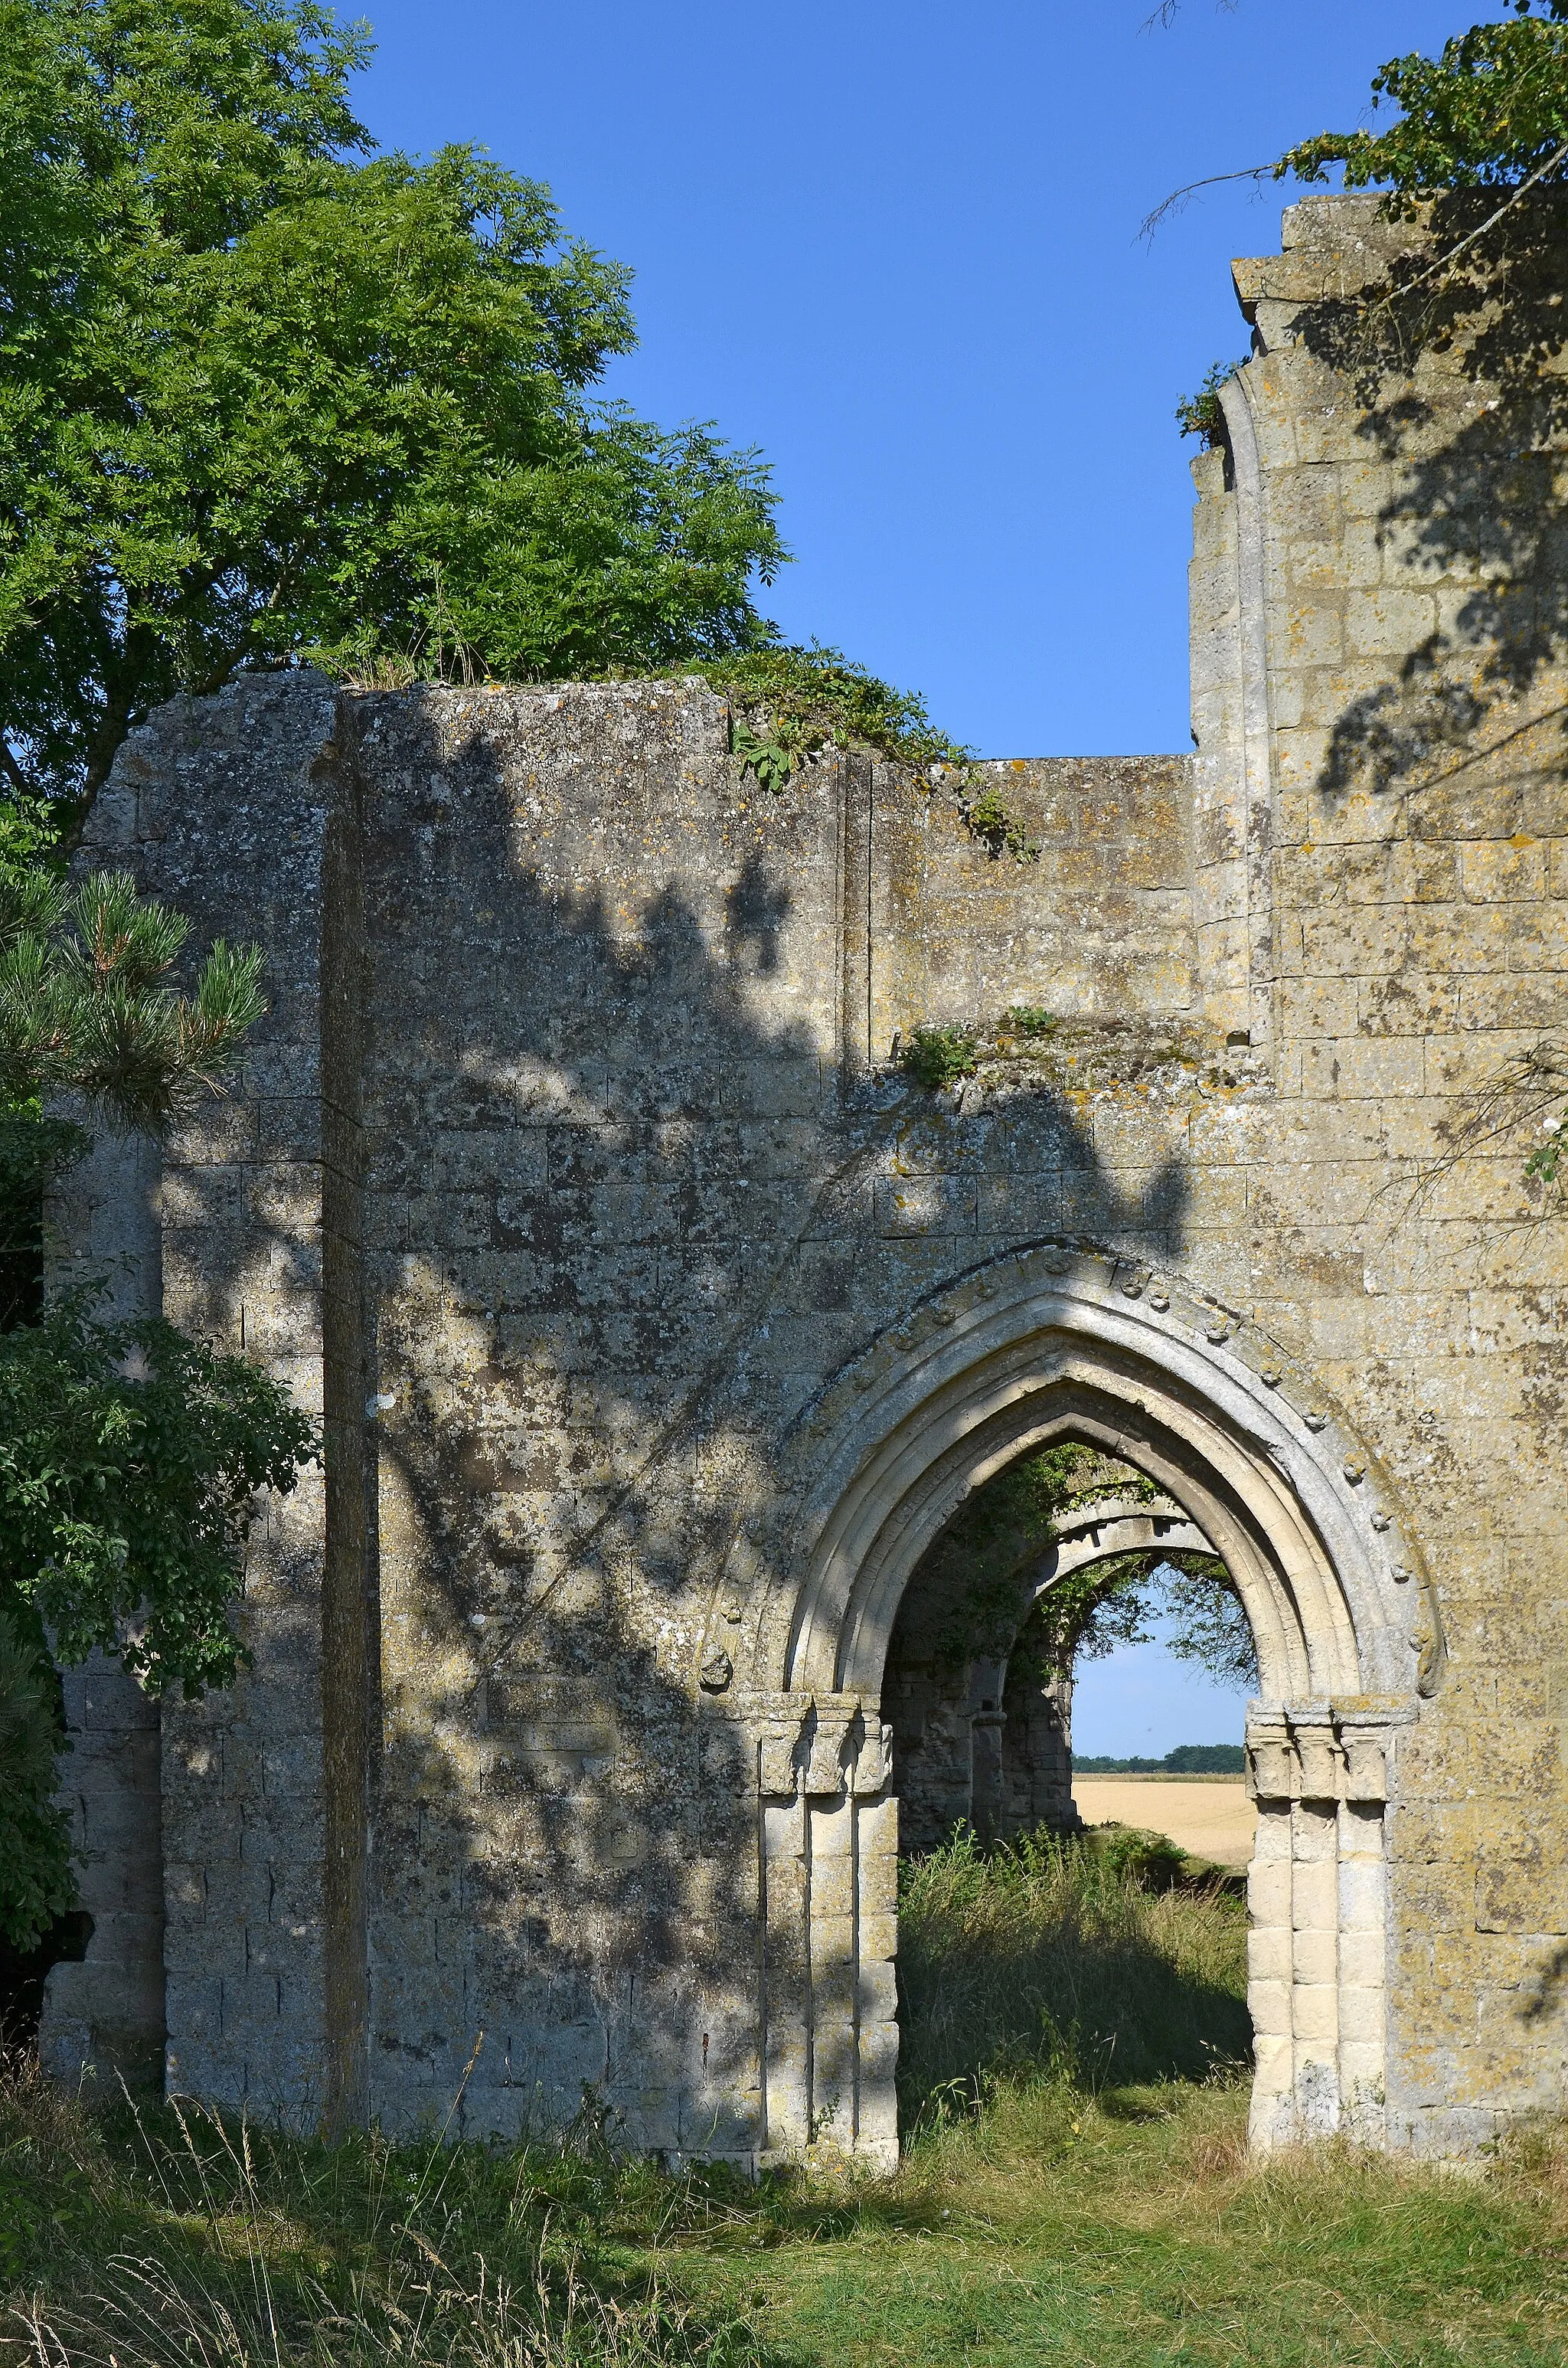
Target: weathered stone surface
pixel 659 1323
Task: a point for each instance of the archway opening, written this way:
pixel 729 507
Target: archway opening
pixel 1033 1943
pixel 1064 1346
pixel 1062 1554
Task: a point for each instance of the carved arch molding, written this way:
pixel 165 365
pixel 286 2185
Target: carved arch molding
pixel 1067 1341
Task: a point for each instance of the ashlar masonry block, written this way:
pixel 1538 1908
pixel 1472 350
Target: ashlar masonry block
pixel 658 1320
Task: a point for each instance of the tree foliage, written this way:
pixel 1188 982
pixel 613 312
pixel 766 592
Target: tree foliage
pixel 265 393
pixel 1489 111
pixel 85 1006
pixel 993 1544
pixel 1129 1598
pixel 36 1880
pixel 130 1462
pixel 130 1457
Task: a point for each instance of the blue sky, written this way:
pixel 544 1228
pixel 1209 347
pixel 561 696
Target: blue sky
pixel 894 244
pixel 1140 1702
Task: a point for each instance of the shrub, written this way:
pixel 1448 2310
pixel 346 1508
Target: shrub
pixel 36 1880
pixel 1202 414
pixel 939 1056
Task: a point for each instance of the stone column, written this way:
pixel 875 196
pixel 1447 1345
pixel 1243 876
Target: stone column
pixel 786 1982
pixel 1269 1966
pixel 876 2102
pixel 1037 1757
pixel 1363 1927
pixel 829 1909
pixel 1315 1921
pixel 987 1723
pixel 1317 1895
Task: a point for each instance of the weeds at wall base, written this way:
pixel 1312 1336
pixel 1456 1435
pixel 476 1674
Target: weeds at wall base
pixel 1054 2204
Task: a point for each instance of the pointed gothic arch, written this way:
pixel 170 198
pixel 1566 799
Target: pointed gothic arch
pixel 1057 1343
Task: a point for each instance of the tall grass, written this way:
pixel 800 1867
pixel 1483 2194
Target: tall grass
pixel 1092 1962
pixel 174 2240
pixel 1070 2213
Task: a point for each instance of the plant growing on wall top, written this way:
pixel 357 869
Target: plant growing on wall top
pixel 271 397
pixel 1489 112
pixel 1201 414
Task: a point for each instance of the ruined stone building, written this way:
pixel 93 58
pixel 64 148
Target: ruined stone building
pixel 660 1321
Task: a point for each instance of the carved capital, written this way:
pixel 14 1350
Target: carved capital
pixel 873 1771
pixel 1365 1767
pixel 826 1752
pixel 775 1770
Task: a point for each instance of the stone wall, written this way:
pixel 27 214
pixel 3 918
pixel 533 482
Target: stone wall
pixel 660 1323
pixel 1378 686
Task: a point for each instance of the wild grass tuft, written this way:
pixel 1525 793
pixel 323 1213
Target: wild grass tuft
pixel 1070 2197
pixel 175 2239
pixel 1081 1961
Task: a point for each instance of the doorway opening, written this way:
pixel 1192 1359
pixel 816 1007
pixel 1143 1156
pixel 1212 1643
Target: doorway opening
pixel 1052 1348
pixel 1061 1557
pixel 1034 1941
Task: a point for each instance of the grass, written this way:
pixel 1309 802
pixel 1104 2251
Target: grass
pixel 1077 2191
pixel 1092 1962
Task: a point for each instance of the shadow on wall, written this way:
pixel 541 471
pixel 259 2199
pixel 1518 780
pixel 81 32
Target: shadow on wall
pixel 1480 507
pixel 622 1221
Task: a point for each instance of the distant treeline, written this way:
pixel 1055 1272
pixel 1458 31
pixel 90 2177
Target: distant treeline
pixel 1187 1760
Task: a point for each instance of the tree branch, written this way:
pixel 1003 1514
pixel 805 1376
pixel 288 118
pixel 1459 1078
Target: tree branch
pixel 12 769
pixel 1445 261
pixel 1179 197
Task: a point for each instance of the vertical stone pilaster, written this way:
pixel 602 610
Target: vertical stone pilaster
pixel 1220 897
pixel 1270 1970
pixel 876 2119
pixel 243 832
pixel 987 1730
pixel 1037 1756
pixel 1314 1963
pixel 857 793
pixel 786 1977
pixel 829 1857
pixel 1317 1896
pixel 1363 1960
pixel 350 1607
pixel 833 1921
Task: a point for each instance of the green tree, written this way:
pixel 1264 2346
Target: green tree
pixel 1489 111
pixel 264 394
pixel 35 1834
pixel 267 396
pixel 130 1456
pixel 1087 1616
